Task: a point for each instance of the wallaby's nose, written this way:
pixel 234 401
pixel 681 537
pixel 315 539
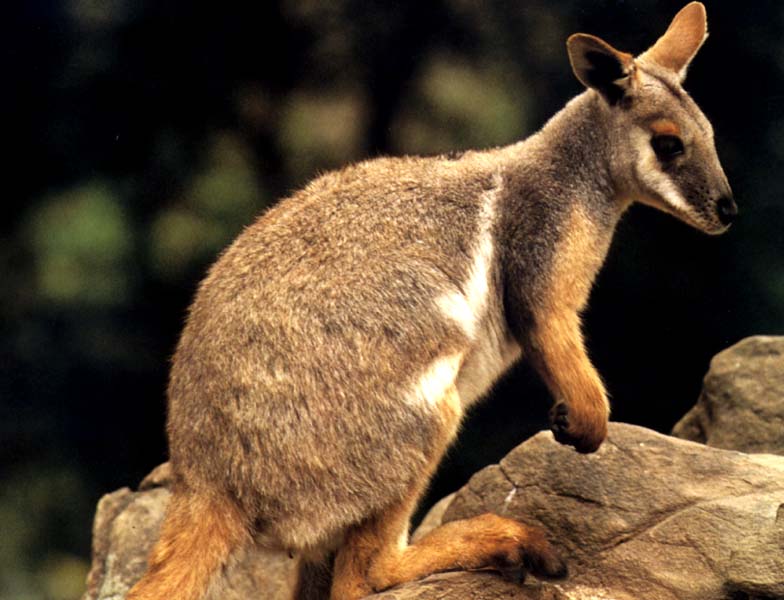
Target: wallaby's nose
pixel 727 209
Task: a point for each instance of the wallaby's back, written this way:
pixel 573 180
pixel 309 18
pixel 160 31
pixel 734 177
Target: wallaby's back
pixel 296 373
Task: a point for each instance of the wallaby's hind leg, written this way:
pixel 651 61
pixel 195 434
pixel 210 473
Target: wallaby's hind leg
pixel 376 554
pixel 373 559
pixel 483 542
pixel 197 537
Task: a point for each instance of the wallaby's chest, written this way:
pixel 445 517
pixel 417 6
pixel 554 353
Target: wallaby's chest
pixel 489 358
pixel 578 255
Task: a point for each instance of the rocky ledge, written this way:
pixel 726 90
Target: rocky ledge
pixel 741 406
pixel 647 517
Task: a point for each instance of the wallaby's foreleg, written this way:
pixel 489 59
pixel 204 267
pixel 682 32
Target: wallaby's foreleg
pixel 197 537
pixel 556 349
pixel 376 554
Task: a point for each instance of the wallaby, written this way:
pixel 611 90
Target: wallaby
pixel 334 347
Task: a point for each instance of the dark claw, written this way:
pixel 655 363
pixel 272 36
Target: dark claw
pixel 559 421
pixel 510 569
pixel 559 425
pixel 546 566
pixel 516 576
pixel 542 563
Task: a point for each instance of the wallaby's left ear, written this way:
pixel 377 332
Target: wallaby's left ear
pixel 683 38
pixel 600 66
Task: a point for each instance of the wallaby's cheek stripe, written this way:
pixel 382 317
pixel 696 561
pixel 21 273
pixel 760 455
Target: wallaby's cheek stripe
pixel 661 185
pixel 653 182
pixel 665 127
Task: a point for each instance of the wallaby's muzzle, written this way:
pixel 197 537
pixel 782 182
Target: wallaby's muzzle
pixel 727 210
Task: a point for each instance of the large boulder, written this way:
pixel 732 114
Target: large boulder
pixel 741 406
pixel 648 517
pixel 126 526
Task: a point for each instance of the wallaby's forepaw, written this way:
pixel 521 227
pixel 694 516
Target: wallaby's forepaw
pixel 536 557
pixel 585 434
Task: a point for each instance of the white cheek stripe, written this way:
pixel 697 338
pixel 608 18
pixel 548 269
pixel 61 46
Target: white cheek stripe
pixel 467 306
pixel 652 177
pixel 664 186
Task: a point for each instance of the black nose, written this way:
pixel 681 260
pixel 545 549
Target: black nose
pixel 726 209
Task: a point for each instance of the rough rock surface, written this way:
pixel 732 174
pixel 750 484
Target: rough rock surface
pixel 126 525
pixel 648 517
pixel 741 406
pixel 433 518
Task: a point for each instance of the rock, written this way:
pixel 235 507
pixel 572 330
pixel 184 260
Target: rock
pixel 741 406
pixel 125 528
pixel 647 517
pixel 466 586
pixel 160 476
pixel 433 518
pixel 109 507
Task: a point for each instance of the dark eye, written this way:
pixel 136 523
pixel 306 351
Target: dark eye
pixel 667 147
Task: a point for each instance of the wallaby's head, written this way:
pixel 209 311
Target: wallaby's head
pixel 661 147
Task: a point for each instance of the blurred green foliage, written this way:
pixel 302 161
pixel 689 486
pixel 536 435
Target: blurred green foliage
pixel 40 505
pixel 80 239
pixel 145 135
pixel 215 204
pixel 320 131
pixel 456 104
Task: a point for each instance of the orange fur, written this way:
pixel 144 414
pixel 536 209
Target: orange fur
pixel 484 541
pixel 197 537
pixel 388 532
pixel 559 352
pixel 665 127
pixel 375 555
pixel 571 378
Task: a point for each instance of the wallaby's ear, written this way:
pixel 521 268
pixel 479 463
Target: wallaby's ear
pixel 600 66
pixel 687 32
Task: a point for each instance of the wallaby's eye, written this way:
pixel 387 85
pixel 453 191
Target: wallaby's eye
pixel 667 147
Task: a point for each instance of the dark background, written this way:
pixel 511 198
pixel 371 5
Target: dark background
pixel 141 136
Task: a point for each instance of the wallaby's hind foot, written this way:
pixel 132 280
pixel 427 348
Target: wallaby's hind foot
pixel 197 537
pixel 483 542
pixel 530 553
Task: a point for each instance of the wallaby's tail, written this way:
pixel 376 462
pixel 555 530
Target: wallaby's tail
pixel 314 579
pixel 197 537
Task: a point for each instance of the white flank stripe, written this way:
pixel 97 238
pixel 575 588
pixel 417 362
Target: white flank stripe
pixel 437 379
pixel 467 306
